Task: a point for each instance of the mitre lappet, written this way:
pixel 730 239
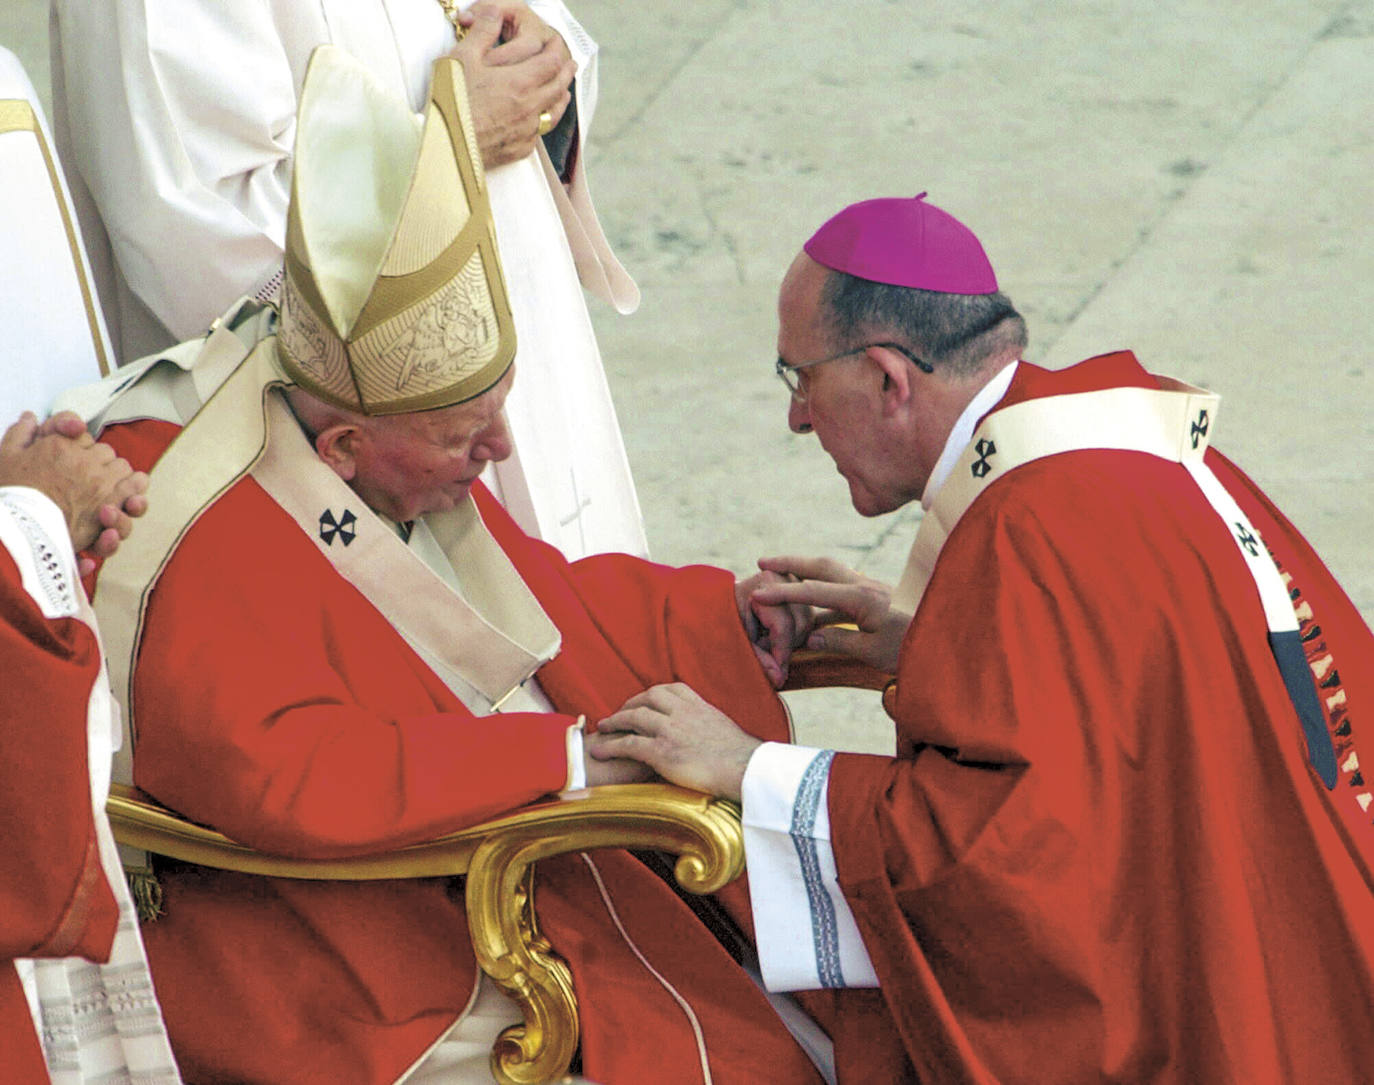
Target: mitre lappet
pixel 393 299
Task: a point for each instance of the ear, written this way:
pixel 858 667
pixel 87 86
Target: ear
pixel 338 446
pixel 897 374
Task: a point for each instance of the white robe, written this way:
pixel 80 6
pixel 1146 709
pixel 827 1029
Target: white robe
pixel 177 119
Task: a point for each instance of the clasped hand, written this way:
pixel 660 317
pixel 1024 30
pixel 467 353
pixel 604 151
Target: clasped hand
pixel 97 491
pixel 799 600
pixel 516 68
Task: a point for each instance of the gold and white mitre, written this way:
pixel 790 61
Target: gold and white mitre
pixel 393 299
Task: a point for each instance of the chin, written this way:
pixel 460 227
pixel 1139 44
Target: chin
pixel 870 504
pixel 450 498
pixel 865 502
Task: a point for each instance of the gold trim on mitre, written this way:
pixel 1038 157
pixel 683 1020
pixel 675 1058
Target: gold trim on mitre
pixel 393 300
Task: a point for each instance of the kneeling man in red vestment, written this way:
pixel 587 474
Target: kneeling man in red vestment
pixel 1127 834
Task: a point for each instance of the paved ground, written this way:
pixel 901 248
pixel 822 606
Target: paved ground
pixel 1187 178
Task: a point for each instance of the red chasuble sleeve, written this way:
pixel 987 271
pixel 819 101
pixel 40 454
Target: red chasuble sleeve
pixel 1101 836
pixel 53 896
pixel 314 729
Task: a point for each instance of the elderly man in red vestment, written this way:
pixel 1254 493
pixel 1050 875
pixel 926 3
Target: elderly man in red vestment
pixel 1126 835
pixel 332 641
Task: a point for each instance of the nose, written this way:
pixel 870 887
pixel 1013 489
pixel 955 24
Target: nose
pixel 798 416
pixel 495 444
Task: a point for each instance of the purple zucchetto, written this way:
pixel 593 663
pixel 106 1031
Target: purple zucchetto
pixel 904 242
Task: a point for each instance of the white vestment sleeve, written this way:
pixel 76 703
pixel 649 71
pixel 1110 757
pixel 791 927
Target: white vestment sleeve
pixel 806 934
pixel 34 532
pixel 577 758
pixel 195 109
pixel 582 49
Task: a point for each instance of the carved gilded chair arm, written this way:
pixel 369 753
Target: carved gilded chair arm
pixel 702 830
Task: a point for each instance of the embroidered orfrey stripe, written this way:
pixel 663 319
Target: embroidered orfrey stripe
pixel 825 937
pixel 53 582
pixel 1332 696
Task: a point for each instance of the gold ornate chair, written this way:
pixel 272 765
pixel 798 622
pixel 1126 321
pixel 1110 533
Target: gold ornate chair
pixel 498 860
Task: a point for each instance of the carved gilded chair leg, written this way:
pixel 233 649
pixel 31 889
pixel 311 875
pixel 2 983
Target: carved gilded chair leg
pixel 510 949
pixel 704 833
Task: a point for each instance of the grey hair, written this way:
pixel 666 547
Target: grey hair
pixel 957 332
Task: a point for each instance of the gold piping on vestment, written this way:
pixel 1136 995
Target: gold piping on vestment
pixel 496 704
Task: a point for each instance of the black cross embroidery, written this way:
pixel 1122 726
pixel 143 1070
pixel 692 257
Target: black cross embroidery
pixel 1199 430
pixel 342 527
pixel 1246 540
pixel 986 450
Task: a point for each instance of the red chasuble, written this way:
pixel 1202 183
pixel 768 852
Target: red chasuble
pixel 54 900
pixel 277 705
pixel 1101 853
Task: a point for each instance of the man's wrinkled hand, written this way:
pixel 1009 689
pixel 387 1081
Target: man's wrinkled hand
pixel 680 736
pixel 516 68
pixel 618 770
pixel 774 628
pixel 839 594
pixel 98 492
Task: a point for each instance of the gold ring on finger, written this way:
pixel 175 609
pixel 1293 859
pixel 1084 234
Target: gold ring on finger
pixel 545 123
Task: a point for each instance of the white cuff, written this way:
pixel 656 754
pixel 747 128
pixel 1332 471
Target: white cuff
pixel 806 934
pixel 34 531
pixel 559 19
pixel 577 757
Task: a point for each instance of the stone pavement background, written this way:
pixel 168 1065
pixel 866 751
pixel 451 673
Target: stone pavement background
pixel 1191 179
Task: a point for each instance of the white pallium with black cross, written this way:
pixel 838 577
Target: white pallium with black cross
pixel 1172 422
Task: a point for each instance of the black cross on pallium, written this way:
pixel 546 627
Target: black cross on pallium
pixel 1199 430
pixel 986 450
pixel 342 527
pixel 1246 539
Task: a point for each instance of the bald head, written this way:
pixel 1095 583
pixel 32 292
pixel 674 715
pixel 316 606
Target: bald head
pixel 315 415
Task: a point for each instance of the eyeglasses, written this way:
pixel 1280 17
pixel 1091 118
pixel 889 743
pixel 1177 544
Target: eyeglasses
pixel 790 374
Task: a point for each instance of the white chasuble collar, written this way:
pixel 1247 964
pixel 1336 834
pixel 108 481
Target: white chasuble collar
pixel 985 400
pixel 452 593
pixel 1172 422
